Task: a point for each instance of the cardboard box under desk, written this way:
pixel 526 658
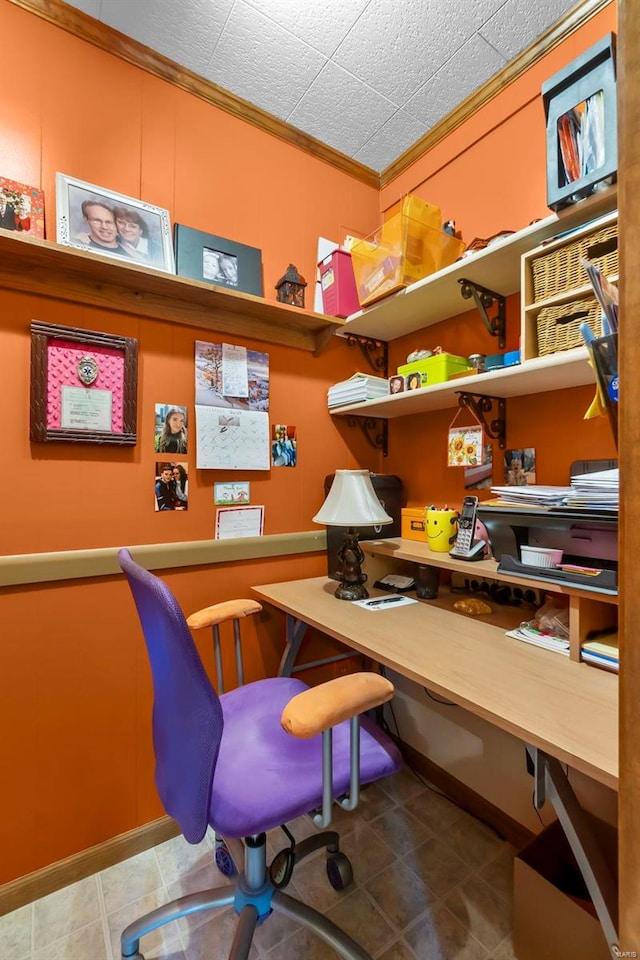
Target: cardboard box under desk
pixel 553 917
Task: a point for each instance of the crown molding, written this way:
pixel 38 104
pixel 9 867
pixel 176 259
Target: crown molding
pixel 106 38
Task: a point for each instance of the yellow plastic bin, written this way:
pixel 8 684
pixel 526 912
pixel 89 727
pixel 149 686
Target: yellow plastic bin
pixel 407 247
pixel 414 523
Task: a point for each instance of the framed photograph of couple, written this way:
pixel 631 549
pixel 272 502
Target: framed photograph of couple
pixel 98 220
pixel 225 263
pixel 84 385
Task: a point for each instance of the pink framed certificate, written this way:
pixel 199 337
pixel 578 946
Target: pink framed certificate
pixel 83 385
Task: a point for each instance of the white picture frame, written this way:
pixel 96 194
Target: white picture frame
pixel 93 218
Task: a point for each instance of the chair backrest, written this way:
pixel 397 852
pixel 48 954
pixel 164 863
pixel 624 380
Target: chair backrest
pixel 187 714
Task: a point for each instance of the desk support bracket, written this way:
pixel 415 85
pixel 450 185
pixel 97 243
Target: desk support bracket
pixel 480 404
pixel 296 631
pixel 484 299
pixel 551 782
pixel 376 431
pixel 375 352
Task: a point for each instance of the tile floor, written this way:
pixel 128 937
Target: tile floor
pixel 431 883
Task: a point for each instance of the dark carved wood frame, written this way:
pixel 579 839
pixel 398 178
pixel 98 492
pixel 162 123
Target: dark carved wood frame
pixel 41 335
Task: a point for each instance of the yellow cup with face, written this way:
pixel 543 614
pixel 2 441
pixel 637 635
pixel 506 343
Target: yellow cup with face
pixel 442 526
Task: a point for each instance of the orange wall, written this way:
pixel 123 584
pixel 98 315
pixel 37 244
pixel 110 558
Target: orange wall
pixel 489 175
pixel 74 689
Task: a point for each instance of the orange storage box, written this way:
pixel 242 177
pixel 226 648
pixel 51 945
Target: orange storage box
pixel 414 524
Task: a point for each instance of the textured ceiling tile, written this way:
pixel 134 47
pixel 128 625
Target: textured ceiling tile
pixel 395 48
pixel 262 62
pixel 92 7
pixel 519 22
pixel 472 13
pixel 396 136
pixel 341 110
pixel 470 66
pixel 321 25
pixel 184 32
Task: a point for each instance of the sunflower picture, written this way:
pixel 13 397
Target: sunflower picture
pixel 466 447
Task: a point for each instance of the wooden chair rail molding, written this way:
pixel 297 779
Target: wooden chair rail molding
pixel 93 31
pixel 103 562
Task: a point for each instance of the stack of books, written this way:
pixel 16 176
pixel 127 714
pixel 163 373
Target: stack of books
pixel 603 652
pixel 359 387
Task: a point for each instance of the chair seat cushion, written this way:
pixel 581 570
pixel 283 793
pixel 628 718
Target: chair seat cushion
pixel 253 786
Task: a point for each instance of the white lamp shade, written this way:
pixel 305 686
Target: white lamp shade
pixel 352 502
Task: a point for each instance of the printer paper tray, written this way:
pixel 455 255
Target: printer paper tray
pixel 604 582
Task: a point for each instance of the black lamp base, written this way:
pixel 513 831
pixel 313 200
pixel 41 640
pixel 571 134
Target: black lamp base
pixel 352 579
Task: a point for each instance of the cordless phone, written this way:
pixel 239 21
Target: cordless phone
pixel 465 547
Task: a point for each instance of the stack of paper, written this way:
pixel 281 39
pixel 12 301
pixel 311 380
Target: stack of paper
pixel 539 639
pixel 599 491
pixel 603 653
pixel 533 495
pixel 361 386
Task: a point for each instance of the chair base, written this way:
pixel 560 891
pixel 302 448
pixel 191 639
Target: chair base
pixel 254 897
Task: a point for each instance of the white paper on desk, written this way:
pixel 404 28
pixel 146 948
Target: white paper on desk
pixel 376 604
pixel 231 439
pixel 234 522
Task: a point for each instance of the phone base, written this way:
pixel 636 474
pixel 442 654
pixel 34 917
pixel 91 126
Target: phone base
pixel 475 552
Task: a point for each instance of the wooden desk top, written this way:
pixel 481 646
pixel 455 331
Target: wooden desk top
pixel 568 709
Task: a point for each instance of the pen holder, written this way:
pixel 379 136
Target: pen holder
pixel 442 526
pixel 427 582
pixel 604 351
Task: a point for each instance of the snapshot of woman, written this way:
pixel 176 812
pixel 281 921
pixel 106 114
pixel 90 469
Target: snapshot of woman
pixel 181 480
pixel 134 236
pixel 173 436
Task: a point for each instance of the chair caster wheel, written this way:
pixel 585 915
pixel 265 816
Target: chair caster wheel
pixel 224 863
pixel 339 871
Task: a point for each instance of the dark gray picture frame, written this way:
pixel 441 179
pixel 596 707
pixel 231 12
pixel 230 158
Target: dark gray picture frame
pixel 204 256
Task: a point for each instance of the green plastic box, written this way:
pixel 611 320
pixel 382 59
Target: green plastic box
pixel 435 369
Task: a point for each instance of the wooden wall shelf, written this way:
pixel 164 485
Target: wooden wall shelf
pixel 64 273
pixel 555 372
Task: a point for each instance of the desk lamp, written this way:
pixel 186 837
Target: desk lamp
pixel 352 502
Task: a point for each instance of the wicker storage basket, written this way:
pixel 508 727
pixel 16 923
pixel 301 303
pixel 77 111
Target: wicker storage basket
pixel 559 326
pixel 561 269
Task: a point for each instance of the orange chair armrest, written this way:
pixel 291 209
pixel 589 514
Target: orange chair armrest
pixel 315 710
pixel 219 612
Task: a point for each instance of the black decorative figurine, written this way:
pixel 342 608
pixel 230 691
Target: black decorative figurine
pixel 290 287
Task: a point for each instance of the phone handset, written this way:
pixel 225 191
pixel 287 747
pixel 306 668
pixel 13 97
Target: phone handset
pixel 465 547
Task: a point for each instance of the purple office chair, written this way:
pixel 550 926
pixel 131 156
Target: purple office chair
pixel 227 762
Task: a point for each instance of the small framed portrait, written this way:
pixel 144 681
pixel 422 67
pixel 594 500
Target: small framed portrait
pixel 21 208
pixel 225 263
pixel 396 384
pixel 170 428
pixel 83 385
pixel 101 221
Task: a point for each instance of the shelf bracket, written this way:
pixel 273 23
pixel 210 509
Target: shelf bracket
pixel 375 352
pixel 484 300
pixel 480 404
pixel 376 431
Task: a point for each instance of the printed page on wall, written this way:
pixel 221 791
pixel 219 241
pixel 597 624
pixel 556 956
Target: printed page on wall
pixel 232 404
